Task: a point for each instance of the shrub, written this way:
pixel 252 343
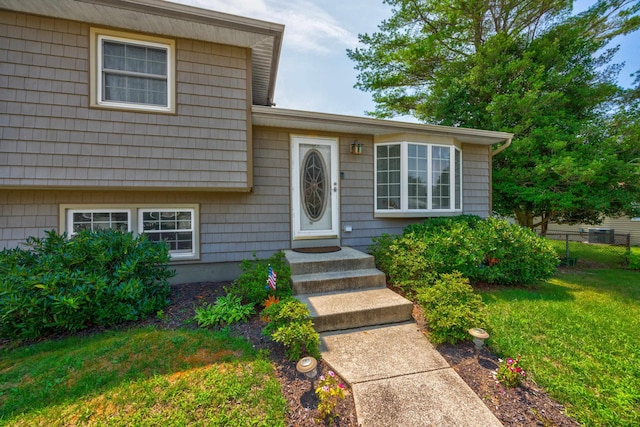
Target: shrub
pixel 513 255
pixel 488 250
pixel 633 260
pixel 290 324
pixel 61 284
pixel 226 310
pixel 451 308
pixel 251 284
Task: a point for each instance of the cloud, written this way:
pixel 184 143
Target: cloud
pixel 308 27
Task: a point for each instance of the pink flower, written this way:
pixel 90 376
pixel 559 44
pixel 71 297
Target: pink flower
pixel 341 385
pixel 332 374
pixel 321 377
pixel 325 389
pixel 510 361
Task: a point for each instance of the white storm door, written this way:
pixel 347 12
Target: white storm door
pixel 314 185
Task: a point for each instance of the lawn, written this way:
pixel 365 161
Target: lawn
pixel 140 377
pixel 579 337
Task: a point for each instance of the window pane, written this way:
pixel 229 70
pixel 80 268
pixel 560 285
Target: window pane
pixel 99 220
pixel 171 226
pixel 440 161
pixel 416 173
pixel 458 179
pixel 134 73
pixel 388 177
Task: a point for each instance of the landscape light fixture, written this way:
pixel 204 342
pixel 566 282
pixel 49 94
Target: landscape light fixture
pixel 308 366
pixel 479 335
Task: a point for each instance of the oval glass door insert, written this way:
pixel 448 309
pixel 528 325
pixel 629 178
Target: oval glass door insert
pixel 314 184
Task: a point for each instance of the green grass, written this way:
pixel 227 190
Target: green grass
pixel 140 377
pixel 579 337
pixel 603 255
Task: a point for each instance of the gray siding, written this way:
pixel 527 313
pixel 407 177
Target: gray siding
pixel 233 225
pixel 51 138
pixel 476 180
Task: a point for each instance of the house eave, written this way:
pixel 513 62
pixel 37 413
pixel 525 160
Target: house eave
pixel 296 119
pixel 176 20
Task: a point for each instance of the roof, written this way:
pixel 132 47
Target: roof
pixel 176 20
pixel 294 119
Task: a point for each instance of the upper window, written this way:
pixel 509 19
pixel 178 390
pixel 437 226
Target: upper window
pixel 132 72
pixel 417 177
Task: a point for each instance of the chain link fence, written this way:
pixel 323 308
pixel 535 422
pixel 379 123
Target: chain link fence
pixel 608 242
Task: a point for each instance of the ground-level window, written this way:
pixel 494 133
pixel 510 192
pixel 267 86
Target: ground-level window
pixel 417 177
pixel 98 219
pixel 175 225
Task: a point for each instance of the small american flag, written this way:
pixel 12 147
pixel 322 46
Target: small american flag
pixel 271 280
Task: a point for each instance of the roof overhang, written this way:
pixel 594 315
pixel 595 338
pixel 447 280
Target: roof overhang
pixel 176 20
pixel 306 120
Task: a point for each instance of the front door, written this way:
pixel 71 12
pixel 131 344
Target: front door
pixel 314 185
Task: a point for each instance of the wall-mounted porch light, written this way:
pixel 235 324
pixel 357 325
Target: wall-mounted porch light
pixel 356 147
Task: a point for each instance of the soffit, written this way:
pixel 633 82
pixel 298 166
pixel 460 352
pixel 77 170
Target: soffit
pixel 176 20
pixel 311 121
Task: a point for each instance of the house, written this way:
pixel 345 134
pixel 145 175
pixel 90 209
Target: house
pixel 158 118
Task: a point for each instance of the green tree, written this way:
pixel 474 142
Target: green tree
pixel 530 68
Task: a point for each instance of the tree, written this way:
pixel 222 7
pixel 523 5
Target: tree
pixel 530 68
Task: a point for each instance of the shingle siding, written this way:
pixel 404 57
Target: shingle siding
pixel 234 225
pixel 51 138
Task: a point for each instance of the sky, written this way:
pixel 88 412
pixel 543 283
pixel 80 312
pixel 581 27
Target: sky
pixel 315 73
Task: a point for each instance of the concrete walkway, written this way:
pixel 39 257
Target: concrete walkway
pixel 398 379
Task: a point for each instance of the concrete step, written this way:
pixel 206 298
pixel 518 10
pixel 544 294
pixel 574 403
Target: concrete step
pixel 354 309
pixel 342 260
pixel 332 281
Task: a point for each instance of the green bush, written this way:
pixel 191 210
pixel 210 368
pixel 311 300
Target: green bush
pixel 451 308
pixel 488 250
pixel 298 338
pixel 226 310
pixel 289 323
pixel 633 260
pixel 251 284
pixel 513 255
pixel 95 278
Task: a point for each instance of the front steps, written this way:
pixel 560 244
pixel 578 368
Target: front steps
pixel 344 290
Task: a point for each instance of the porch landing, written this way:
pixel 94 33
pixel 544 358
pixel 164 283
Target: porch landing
pixel 370 339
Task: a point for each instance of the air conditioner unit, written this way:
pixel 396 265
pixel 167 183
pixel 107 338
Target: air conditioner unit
pixel 602 235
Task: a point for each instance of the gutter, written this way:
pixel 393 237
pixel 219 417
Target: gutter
pixel 502 148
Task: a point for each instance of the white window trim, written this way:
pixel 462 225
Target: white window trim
pixel 71 212
pixel 404 210
pixel 174 254
pixel 95 81
pixel 135 221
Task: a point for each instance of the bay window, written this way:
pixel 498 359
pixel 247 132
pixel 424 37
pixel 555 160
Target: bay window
pixel 417 178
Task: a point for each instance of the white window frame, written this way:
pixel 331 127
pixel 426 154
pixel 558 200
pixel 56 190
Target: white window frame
pixel 455 188
pixel 96 76
pixel 70 213
pixel 135 224
pixel 175 254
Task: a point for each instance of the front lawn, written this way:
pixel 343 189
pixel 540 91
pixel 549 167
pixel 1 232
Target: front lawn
pixel 140 377
pixel 579 338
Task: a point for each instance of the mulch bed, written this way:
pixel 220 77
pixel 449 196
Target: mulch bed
pixel 527 405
